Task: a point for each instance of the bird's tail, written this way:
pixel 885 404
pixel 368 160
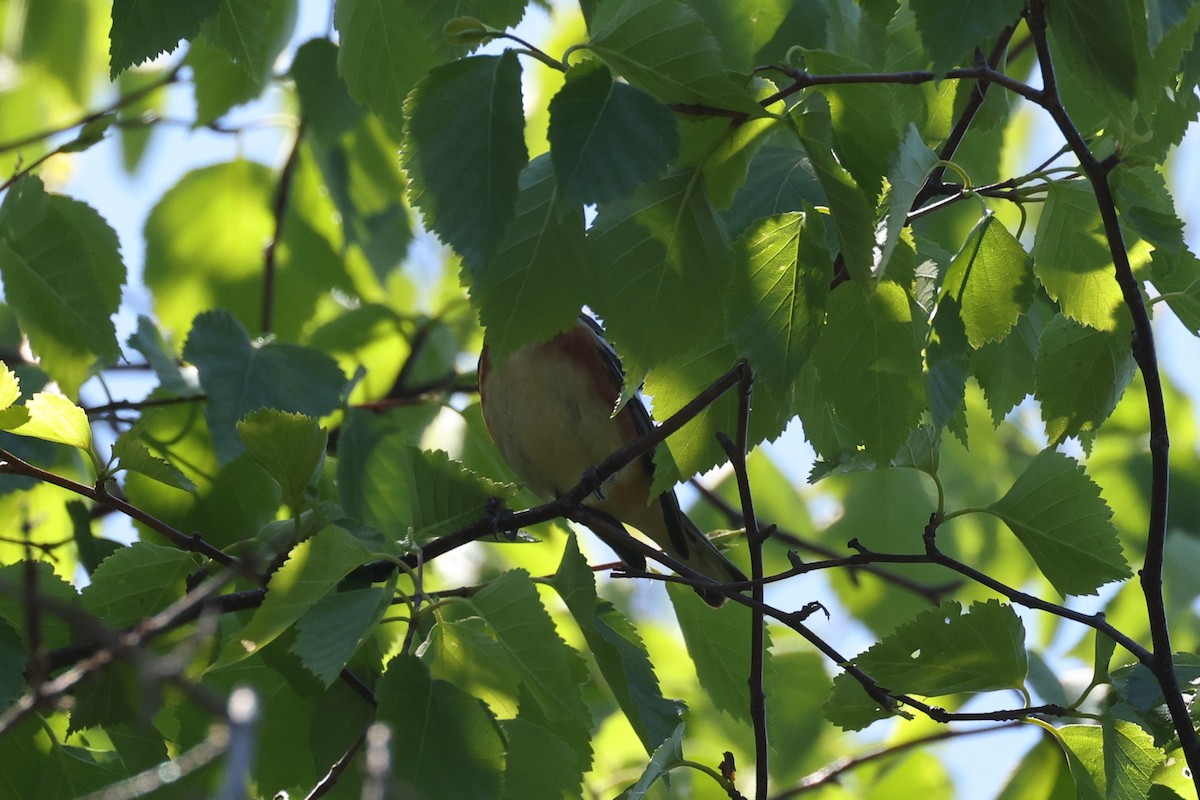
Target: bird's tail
pixel 703 556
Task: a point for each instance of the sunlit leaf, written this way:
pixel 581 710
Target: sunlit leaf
pixel 51 417
pixel 992 279
pixel 288 446
pixel 312 571
pixel 1057 512
pixel 1072 259
pixel 660 255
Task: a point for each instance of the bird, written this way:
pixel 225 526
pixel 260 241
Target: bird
pixel 549 408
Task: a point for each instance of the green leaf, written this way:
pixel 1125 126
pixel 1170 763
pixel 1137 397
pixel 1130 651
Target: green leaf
pixel 546 665
pixel 943 651
pixel 780 180
pixel 662 47
pixel 469 32
pixel 535 285
pixel 742 27
pixel 444 741
pixel 717 640
pixel 850 207
pixel 393 486
pixel 695 448
pixel 1096 42
pixel 135 138
pixel 911 164
pixel 618 650
pixel 288 446
pixel 220 84
pixel 10 387
pixel 136 582
pixel 863 146
pixel 325 100
pixel 465 653
pixel 667 757
pixel 607 138
pixel 537 762
pixel 1042 774
pixel 55 631
pixel 62 273
pixel 145 29
pixel 1146 206
pixel 13 659
pixel 132 454
pixel 239 377
pixel 661 256
pixel 1177 279
pixel 948 356
pixel 332 630
pixel 1081 373
pixel 149 341
pixel 722 149
pixel 51 417
pixel 1005 369
pixel 385 49
pixel 869 365
pixel 1138 689
pixel 951 31
pixel 1057 513
pixel 312 571
pixel 466 184
pixel 356 158
pixel 991 278
pixel 202 255
pixel 387 46
pixel 1113 760
pixel 251 32
pixel 778 295
pixel 443 494
pixel 1072 260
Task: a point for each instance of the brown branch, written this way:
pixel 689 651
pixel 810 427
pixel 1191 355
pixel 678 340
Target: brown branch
pixel 965 119
pixel 756 538
pixel 171 76
pixel 279 214
pixel 932 594
pixel 12 465
pixel 139 405
pixel 1145 355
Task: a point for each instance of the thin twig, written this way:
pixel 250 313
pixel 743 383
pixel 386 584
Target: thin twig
pixel 736 451
pixel 12 465
pixel 283 194
pixel 931 594
pixel 832 772
pixel 168 78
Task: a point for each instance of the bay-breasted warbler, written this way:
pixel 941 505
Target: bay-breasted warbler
pixel 549 409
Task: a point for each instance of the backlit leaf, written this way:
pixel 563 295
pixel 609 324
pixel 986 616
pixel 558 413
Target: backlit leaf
pixel 1057 513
